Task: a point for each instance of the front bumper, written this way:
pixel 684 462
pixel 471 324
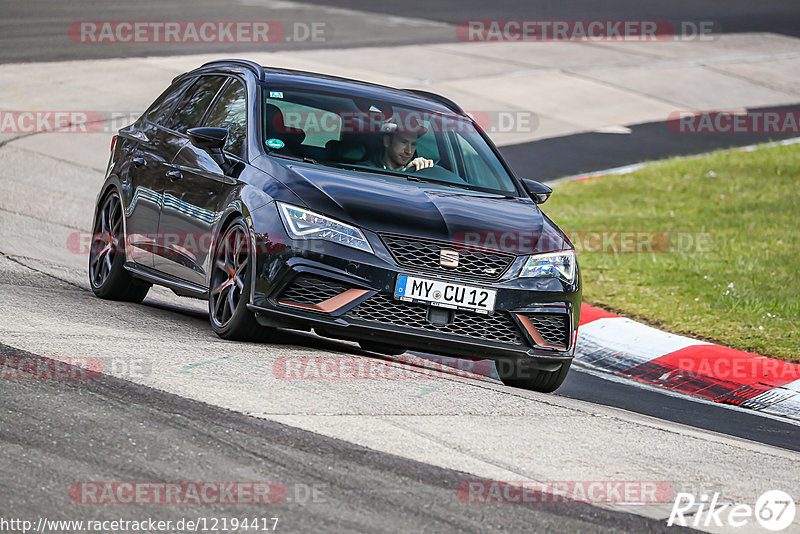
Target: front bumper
pixel 348 294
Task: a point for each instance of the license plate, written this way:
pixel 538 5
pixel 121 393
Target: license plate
pixel 444 294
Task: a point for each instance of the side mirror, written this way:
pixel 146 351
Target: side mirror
pixel 537 190
pixel 211 140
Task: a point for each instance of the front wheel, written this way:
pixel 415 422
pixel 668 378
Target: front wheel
pixel 525 374
pixel 230 287
pixel 107 274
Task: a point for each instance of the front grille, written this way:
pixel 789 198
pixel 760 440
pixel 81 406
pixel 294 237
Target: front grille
pixel 423 254
pixel 554 328
pixel 305 289
pixel 384 309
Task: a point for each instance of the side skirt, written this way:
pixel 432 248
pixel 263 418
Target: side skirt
pixel 179 287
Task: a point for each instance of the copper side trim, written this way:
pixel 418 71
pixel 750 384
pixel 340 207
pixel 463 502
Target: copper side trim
pixel 332 304
pixel 537 337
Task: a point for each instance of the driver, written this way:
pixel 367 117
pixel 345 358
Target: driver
pixel 399 148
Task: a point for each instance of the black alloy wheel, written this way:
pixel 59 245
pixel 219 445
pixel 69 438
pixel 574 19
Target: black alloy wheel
pixel 107 275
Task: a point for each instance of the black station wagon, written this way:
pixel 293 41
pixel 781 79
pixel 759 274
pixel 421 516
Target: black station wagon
pixel 295 200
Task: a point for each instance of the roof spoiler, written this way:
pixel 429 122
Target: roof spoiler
pixel 252 66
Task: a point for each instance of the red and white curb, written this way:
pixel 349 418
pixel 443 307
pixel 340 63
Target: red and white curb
pixel 623 347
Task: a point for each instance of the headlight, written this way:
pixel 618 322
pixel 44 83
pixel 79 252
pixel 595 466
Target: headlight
pixel 301 223
pixel 559 265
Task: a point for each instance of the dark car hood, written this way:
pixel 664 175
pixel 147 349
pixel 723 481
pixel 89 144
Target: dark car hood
pixel 388 204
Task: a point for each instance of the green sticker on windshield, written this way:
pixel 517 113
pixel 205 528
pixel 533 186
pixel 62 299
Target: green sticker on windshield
pixel 275 143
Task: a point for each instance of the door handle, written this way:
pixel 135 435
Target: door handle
pixel 139 162
pixel 174 175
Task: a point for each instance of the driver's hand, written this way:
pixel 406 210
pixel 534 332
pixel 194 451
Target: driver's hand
pixel 417 164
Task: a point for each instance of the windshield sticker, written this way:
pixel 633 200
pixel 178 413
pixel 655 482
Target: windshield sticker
pixel 276 94
pixel 275 143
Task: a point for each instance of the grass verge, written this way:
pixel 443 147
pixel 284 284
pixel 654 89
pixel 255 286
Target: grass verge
pixel 719 246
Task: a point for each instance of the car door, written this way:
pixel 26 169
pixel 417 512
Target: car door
pixel 196 188
pixel 149 148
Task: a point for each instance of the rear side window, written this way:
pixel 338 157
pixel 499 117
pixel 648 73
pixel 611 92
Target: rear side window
pixel 194 103
pixel 319 125
pixel 230 111
pixel 160 109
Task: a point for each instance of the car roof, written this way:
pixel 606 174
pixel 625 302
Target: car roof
pixel 274 76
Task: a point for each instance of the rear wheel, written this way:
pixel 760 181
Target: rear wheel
pixel 107 275
pixel 525 374
pixel 230 287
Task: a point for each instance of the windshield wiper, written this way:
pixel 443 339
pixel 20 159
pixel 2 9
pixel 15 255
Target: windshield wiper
pixel 304 159
pixel 387 172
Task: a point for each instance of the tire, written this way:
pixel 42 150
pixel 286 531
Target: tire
pixel 229 290
pixel 382 348
pixel 107 275
pixel 523 374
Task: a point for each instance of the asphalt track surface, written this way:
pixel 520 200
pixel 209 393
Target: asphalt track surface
pixel 550 159
pixel 730 16
pixel 646 400
pixel 35 30
pixel 61 432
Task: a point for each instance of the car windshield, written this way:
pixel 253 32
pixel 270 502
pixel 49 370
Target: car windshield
pixel 381 137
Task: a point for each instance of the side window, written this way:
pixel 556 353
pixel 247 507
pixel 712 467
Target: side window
pixel 230 111
pixel 319 125
pixel 194 103
pixel 427 147
pixel 477 171
pixel 163 105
